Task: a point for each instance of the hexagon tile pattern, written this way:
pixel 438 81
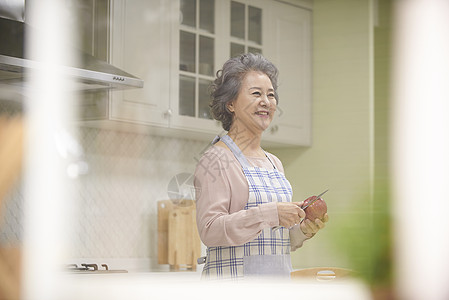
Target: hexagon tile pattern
pixel 116 200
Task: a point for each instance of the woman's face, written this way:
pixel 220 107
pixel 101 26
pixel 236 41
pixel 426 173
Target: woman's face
pixel 255 105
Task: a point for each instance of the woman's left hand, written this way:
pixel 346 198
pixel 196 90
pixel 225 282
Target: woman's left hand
pixel 310 228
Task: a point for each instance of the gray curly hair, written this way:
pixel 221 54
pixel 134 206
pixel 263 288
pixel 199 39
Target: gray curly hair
pixel 227 83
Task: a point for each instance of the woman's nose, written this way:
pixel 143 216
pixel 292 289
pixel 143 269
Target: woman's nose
pixel 265 101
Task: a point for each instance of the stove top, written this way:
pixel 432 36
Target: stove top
pixel 91 269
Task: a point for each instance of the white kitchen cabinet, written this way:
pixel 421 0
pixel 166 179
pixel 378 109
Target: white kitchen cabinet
pixel 281 32
pixel 177 46
pixel 195 54
pixel 289 47
pixel 140 45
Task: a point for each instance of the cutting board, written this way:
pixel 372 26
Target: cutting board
pixel 163 210
pixel 10 272
pixel 11 149
pixel 179 244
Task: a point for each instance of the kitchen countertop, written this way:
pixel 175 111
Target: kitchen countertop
pixel 187 285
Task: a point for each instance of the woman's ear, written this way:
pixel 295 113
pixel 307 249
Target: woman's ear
pixel 230 106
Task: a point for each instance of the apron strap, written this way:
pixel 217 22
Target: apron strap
pixel 236 151
pixel 266 154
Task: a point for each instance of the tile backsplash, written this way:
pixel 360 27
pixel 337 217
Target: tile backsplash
pixel 117 198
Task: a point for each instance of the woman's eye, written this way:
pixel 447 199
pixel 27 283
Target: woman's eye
pixel 270 95
pixel 256 93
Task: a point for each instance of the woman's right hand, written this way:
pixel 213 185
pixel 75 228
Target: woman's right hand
pixel 290 213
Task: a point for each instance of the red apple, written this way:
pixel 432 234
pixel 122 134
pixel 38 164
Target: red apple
pixel 316 210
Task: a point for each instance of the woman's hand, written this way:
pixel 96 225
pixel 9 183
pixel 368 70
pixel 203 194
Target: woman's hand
pixel 310 228
pixel 290 213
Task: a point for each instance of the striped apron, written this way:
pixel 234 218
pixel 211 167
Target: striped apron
pixel 268 255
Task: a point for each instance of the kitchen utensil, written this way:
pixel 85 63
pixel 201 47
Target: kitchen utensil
pixel 317 197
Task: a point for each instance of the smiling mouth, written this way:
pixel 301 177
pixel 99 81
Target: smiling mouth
pixel 262 113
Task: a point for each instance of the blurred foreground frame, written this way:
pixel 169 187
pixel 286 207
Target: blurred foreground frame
pixel 11 156
pixel 364 237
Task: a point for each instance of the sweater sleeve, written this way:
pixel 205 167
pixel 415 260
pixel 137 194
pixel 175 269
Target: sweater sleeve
pixel 297 237
pixel 218 189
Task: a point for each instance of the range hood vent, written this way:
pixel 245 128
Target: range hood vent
pixel 91 73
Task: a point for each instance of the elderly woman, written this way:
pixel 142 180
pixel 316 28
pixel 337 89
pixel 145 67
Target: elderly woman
pixel 245 213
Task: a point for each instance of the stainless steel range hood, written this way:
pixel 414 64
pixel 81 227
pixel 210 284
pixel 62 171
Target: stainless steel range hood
pixel 90 74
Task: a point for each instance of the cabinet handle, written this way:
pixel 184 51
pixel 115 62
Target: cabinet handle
pixel 168 113
pixel 274 129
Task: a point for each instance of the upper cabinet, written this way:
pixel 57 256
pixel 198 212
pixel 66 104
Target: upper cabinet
pixel 194 38
pixel 140 45
pixel 177 46
pixel 289 47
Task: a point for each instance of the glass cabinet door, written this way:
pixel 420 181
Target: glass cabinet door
pixel 188 12
pixel 204 99
pixel 196 56
pixel 187 56
pixel 246 28
pixel 255 25
pixel 186 96
pixel 238 20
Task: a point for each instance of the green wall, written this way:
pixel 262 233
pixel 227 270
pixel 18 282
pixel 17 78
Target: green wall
pixel 342 155
pixel 349 155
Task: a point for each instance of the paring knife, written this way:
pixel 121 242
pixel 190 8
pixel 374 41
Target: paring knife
pixel 308 204
pixel 317 197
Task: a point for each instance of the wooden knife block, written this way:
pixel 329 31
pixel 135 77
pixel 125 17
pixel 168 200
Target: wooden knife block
pixel 179 243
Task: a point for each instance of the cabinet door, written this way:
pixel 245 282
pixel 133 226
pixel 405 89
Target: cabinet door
pixel 288 45
pixel 200 50
pixel 194 62
pixel 140 45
